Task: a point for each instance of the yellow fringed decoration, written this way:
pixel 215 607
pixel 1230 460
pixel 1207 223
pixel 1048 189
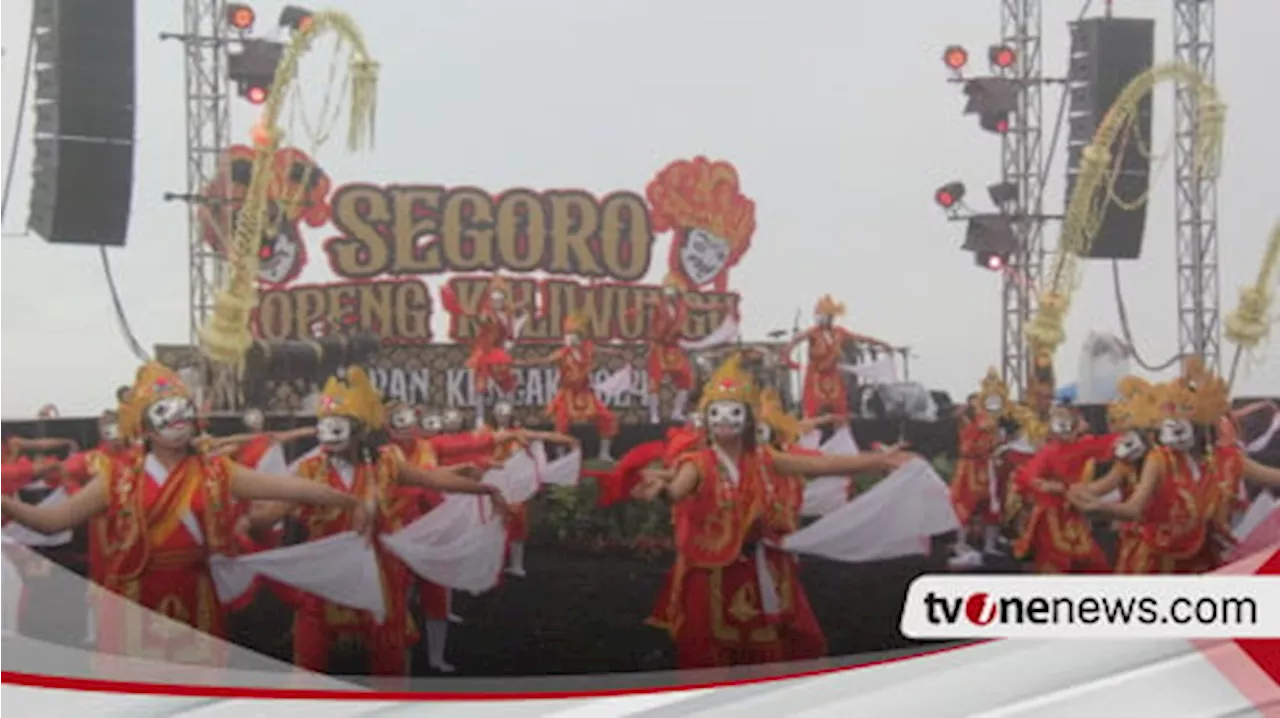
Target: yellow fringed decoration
pixel 1248 325
pixel 227 336
pixel 1095 191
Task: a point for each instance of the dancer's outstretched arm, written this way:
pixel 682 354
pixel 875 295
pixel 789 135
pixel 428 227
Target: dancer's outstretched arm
pixel 75 511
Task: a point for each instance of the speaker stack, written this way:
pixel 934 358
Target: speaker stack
pixel 85 104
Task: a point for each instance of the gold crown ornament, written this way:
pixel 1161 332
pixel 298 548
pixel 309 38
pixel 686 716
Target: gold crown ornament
pixel 574 324
pixel 729 382
pixel 1136 406
pixel 993 385
pixel 771 412
pixel 827 306
pixel 354 398
pixel 1175 400
pixel 153 382
pixel 1212 396
pixel 499 284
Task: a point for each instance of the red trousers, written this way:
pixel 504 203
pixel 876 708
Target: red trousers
pixel 313 641
pixel 433 599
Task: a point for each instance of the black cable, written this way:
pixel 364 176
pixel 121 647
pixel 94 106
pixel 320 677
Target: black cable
pixel 1128 333
pixel 134 345
pixel 22 116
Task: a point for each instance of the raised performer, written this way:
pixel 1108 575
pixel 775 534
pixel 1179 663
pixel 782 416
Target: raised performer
pixel 575 401
pixel 731 598
pixel 824 381
pixel 497 327
pixel 668 360
pixel 167 509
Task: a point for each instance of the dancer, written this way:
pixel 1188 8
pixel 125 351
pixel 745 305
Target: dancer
pixel 349 412
pixel 668 360
pixel 575 401
pixel 731 598
pixel 258 448
pixel 824 382
pixel 518 524
pixel 974 491
pixel 14 448
pixel 497 327
pixel 1056 536
pixel 166 512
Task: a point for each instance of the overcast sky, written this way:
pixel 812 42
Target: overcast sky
pixel 836 114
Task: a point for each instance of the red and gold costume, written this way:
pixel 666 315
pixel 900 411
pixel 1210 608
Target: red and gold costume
pixel 1057 536
pixel 667 359
pixel 78 470
pixel 824 381
pixel 972 483
pixel 161 526
pixel 575 401
pixel 252 452
pixel 1134 410
pixel 495 327
pixel 1172 534
pixel 717 606
pixel 319 624
pixel 617 484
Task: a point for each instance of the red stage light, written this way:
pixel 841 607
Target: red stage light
pixel 256 95
pixel 240 17
pixel 955 57
pixel 945 199
pixel 1002 125
pixel 949 195
pixel 995 263
pixel 1002 57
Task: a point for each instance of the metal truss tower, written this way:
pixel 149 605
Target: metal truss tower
pixel 1195 197
pixel 204 40
pixel 1021 163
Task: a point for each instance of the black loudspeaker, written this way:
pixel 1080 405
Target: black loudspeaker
pixel 1106 55
pixel 85 97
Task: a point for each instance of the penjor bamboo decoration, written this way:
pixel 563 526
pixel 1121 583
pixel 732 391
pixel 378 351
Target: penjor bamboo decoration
pixel 1247 327
pixel 227 336
pixel 1095 190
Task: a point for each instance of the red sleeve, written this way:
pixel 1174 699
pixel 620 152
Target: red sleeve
pixel 1032 469
pixel 448 446
pixel 16 476
pixel 1097 447
pixel 76 467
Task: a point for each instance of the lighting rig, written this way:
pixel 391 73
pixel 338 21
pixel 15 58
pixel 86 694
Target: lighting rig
pixel 253 67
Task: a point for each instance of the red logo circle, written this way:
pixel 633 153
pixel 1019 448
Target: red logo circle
pixel 980 609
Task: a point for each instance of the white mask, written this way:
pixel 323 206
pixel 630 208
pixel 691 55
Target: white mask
pixel 453 420
pixel 110 432
pixel 1062 425
pixel 432 424
pixel 822 321
pixel 172 419
pixel 1129 447
pixel 727 418
pixel 403 419
pixel 334 433
pixel 1177 434
pixel 698 421
pixel 993 404
pixel 497 299
pixel 764 433
pixel 502 411
pixel 571 340
pixel 670 292
pixel 253 420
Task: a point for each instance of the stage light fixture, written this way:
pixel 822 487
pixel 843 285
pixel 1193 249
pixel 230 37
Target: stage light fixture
pixel 949 195
pixel 993 99
pixel 1003 194
pixel 955 57
pixel 253 68
pixel 1001 56
pixel 241 17
pixel 295 18
pixel 991 260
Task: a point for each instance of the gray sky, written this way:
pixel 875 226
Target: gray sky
pixel 836 114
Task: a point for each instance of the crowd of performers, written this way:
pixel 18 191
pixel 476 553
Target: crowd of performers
pixel 1170 475
pixel 161 496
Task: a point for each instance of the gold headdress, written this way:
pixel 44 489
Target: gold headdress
pixel 993 385
pixel 1175 400
pixel 1136 407
pixel 1212 396
pixel 771 412
pixel 153 382
pixel 354 398
pixel 1033 427
pixel 827 306
pixel 575 324
pixel 729 382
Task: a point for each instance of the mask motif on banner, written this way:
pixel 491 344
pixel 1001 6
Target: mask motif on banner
pixel 334 433
pixel 727 418
pixel 703 256
pixel 172 419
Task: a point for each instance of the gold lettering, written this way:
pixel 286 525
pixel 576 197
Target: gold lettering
pixel 309 308
pixel 361 251
pixel 378 310
pixel 596 308
pixel 625 238
pixel 343 300
pixel 631 314
pixel 522 230
pixel 275 316
pixel 574 218
pixel 410 224
pixel 413 312
pixel 469 293
pixel 466 233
